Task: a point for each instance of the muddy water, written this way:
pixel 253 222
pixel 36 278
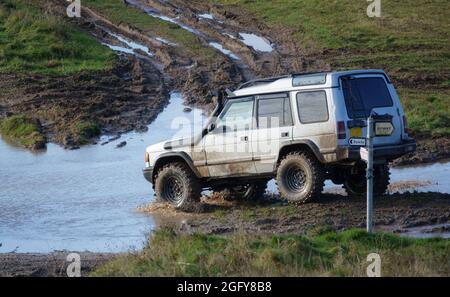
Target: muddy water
pixel 86 199
pixel 426 178
pixel 83 199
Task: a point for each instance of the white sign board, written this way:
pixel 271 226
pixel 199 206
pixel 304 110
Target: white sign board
pixel 384 129
pixel 364 153
pixel 357 141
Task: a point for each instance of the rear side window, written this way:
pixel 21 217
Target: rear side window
pixel 312 107
pixel 364 94
pixel 274 113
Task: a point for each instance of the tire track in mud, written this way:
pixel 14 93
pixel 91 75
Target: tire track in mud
pixel 226 24
pixel 196 77
pixel 193 75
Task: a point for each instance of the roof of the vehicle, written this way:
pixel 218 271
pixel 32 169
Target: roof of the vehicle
pixel 285 83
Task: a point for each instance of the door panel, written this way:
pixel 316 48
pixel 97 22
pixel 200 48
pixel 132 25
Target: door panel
pixel 366 94
pixel 274 127
pixel 229 147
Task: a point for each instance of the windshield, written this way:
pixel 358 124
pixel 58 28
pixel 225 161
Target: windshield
pixel 364 94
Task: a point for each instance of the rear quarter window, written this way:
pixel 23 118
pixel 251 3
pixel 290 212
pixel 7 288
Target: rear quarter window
pixel 364 94
pixel 312 107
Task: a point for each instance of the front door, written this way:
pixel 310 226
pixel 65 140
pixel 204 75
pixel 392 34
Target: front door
pixel 229 147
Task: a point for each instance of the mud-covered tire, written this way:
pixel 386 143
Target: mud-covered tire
pixel 250 192
pixel 356 186
pixel 300 177
pixel 176 184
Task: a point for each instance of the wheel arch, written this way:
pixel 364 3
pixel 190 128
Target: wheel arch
pixel 173 157
pixel 301 145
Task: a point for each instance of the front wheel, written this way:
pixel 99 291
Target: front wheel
pixel 300 177
pixel 176 184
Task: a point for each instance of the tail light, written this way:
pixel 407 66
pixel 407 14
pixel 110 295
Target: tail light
pixel 341 130
pixel 405 124
pixel 147 157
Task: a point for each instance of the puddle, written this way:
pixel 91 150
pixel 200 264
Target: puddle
pixel 157 14
pixel 131 48
pixel 165 41
pixel 133 45
pixel 121 49
pixel 84 199
pixel 440 231
pixel 223 50
pixel 206 16
pixel 258 43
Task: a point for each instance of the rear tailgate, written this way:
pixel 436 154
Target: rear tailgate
pixel 369 94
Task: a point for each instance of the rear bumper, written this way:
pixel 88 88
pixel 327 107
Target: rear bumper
pixel 148 174
pixel 389 152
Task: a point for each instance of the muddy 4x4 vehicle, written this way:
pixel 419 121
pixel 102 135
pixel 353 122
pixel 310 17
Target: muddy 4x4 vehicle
pixel 300 129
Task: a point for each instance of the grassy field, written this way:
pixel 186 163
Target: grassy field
pixel 411 41
pixel 34 42
pixel 117 12
pixel 320 253
pixel 23 131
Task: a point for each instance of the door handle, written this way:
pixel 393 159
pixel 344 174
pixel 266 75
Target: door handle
pixel 285 134
pixel 244 138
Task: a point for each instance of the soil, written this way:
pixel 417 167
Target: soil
pixel 394 212
pixel 429 150
pixel 131 95
pixel 126 98
pixel 48 265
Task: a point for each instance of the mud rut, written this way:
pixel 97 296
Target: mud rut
pixel 193 75
pixel 131 95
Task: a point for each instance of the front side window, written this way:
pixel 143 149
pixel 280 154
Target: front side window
pixel 237 115
pixel 312 107
pixel 274 113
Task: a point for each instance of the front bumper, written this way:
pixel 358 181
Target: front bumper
pixel 148 174
pixel 389 152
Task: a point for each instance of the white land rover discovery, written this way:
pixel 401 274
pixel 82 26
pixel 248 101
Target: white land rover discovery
pixel 300 129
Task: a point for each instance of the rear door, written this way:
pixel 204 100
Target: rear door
pixel 274 126
pixel 366 94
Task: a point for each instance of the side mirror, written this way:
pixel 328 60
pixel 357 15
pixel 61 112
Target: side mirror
pixel 211 127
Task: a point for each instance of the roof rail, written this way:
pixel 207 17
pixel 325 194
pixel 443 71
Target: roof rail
pixel 261 80
pixel 275 78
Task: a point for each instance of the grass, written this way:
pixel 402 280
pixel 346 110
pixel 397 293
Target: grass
pixel 23 131
pixel 410 41
pixel 84 131
pixel 427 111
pixel 118 13
pixel 320 253
pixel 34 42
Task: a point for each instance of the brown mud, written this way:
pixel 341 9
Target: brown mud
pixel 429 150
pixel 48 265
pixel 395 213
pixel 131 95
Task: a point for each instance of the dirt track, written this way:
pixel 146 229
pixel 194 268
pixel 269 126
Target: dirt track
pixel 396 213
pixel 131 95
pixel 47 265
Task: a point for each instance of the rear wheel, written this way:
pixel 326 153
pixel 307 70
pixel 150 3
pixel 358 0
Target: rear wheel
pixel 176 185
pixel 300 177
pixel 356 184
pixel 251 192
